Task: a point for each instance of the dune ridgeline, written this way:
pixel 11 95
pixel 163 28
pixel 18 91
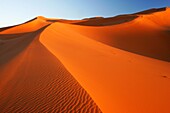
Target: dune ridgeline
pixel 119 64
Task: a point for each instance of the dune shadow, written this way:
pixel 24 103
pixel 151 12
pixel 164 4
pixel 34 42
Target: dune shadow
pixel 52 20
pixel 144 46
pixel 12 36
pixel 13 44
pixel 5 28
pixel 153 10
pixel 100 21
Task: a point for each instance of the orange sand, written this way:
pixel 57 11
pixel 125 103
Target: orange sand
pixel 110 65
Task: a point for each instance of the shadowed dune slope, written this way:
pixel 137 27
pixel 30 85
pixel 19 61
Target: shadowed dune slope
pixel 118 81
pixel 146 35
pixel 153 10
pixel 33 80
pixel 110 65
pixel 107 21
pixel 28 26
pixel 5 28
pixel 158 14
pixel 33 25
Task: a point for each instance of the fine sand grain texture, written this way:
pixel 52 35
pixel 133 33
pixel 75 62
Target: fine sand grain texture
pixel 111 65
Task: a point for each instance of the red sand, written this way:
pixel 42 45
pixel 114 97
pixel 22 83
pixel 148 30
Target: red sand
pixel 116 65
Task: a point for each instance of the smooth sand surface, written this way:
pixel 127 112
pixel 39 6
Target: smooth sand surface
pixel 29 26
pixel 146 35
pixel 110 65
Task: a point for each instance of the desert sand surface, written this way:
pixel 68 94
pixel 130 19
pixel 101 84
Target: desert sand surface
pixel 112 65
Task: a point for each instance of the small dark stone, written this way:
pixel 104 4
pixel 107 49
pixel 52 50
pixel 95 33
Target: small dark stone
pixel 165 76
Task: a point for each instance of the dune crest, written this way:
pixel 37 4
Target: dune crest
pixel 30 26
pixel 37 81
pixel 111 65
pixel 115 79
pixel 135 36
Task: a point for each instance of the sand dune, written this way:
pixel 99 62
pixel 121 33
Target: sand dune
pixel 28 26
pixel 135 36
pixel 37 81
pixel 107 21
pixel 114 78
pixel 110 65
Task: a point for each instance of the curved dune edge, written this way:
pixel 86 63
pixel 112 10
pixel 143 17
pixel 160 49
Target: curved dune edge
pixel 33 80
pixel 146 35
pixel 53 65
pixel 29 26
pixel 118 81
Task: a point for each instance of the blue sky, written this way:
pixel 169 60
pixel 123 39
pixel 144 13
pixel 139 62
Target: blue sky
pixel 18 11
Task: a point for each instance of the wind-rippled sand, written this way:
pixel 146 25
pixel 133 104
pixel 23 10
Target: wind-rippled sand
pixel 110 65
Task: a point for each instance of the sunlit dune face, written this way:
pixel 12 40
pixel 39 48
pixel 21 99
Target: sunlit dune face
pixel 115 79
pixel 29 26
pixel 134 36
pixel 94 65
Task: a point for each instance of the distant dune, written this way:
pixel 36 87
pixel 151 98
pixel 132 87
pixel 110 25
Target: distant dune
pixel 112 65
